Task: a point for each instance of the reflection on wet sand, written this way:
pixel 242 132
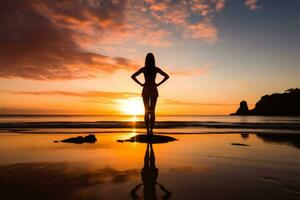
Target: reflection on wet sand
pixel 56 180
pixel 149 175
pixel 290 139
pixel 193 167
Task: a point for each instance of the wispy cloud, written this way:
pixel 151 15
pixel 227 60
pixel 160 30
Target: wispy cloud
pixel 220 4
pixel 245 83
pixel 84 94
pixel 252 4
pixel 188 103
pixel 192 72
pixel 178 14
pixel 203 30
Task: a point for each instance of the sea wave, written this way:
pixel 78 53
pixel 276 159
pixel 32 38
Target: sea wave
pixel 160 125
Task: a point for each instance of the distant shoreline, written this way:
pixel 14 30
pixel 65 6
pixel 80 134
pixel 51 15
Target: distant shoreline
pixel 70 115
pixel 66 115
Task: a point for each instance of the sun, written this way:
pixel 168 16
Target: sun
pixel 132 106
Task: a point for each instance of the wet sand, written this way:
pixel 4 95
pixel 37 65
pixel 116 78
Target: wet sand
pixel 196 166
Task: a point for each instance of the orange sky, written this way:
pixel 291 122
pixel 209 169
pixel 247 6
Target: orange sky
pixel 76 57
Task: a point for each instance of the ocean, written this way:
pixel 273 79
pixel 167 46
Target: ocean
pixel 164 123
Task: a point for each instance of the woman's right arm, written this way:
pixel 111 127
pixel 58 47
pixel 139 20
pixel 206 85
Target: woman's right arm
pixel 136 74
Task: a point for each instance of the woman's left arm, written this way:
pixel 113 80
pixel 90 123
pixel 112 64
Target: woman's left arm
pixel 164 74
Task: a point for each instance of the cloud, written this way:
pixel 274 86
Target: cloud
pixel 252 4
pixel 159 7
pixel 61 39
pixel 84 94
pixel 91 21
pixel 188 103
pixel 192 72
pixel 220 4
pixel 245 83
pixel 179 14
pixel 203 30
pixel 36 45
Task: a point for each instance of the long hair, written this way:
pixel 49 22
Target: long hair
pixel 150 63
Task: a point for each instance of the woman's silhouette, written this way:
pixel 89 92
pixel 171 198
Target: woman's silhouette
pixel 150 92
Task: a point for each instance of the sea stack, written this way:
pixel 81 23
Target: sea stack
pixel 243 109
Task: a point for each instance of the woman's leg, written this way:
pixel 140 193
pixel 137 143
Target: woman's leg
pixel 152 112
pixel 146 101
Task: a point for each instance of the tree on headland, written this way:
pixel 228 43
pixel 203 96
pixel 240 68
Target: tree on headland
pixel 293 90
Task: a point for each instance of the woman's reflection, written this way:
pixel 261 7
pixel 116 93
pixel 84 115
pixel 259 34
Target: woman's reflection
pixel 149 176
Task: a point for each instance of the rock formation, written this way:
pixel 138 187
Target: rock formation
pixel 154 139
pixel 80 139
pixel 278 104
pixel 243 109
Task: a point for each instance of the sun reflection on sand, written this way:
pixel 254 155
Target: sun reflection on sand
pixel 133 133
pixel 134 118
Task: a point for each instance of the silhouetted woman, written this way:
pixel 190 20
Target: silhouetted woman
pixel 150 92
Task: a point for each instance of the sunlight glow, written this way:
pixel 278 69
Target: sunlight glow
pixel 132 106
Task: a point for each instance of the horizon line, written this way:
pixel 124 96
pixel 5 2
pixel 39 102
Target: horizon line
pixel 106 115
